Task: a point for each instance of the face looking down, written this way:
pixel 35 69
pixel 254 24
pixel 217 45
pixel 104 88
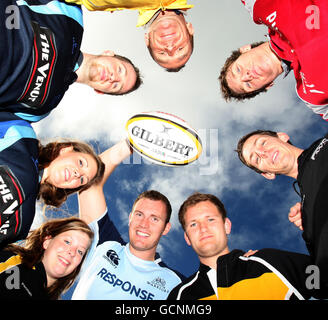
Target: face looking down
pixel 254 69
pixel 271 155
pixel 169 40
pixel 70 169
pixel 109 74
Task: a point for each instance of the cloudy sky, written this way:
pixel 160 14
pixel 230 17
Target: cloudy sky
pixel 258 208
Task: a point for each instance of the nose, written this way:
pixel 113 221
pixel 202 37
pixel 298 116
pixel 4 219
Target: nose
pixel 76 173
pixel 113 77
pixel 246 76
pixel 170 48
pixel 71 251
pixel 262 153
pixel 203 226
pixel 144 223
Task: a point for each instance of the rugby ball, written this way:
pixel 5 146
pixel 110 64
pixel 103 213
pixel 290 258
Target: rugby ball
pixel 163 138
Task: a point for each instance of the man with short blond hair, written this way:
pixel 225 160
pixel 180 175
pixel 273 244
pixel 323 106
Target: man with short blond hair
pixel 230 275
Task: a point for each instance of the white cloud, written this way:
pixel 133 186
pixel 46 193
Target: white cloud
pixel 192 94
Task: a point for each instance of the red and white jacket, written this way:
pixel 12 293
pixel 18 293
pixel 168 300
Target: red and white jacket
pixel 298 31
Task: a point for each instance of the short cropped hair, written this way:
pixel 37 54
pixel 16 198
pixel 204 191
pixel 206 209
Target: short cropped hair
pixel 156 196
pixel 227 93
pixel 138 82
pixel 197 198
pixel 242 141
pixel 191 39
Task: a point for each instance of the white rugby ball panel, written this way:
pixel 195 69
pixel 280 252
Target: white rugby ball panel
pixel 163 138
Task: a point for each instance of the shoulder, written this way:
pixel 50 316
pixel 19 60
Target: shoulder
pixel 105 230
pixel 8 259
pixel 6 254
pixel 275 259
pixel 179 292
pixel 169 270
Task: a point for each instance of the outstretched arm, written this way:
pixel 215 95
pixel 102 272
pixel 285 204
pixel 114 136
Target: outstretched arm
pixel 92 203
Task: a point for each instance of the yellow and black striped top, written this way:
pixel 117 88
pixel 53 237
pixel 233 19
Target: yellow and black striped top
pixel 268 275
pixel 18 282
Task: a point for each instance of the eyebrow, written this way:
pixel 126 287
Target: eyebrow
pixel 241 88
pixel 254 145
pixel 121 85
pixel 87 166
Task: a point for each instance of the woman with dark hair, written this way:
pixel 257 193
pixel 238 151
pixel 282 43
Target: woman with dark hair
pixel 48 263
pixel 31 171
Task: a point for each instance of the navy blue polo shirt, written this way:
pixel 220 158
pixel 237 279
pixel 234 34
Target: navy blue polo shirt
pixel 39 53
pixel 19 177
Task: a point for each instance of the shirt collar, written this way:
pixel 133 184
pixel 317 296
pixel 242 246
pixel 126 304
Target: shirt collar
pixel 178 12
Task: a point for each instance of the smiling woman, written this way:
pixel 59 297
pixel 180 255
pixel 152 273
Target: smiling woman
pixel 48 263
pixel 68 167
pixel 31 171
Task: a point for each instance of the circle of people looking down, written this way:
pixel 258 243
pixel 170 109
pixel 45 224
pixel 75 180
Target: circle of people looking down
pixel 49 60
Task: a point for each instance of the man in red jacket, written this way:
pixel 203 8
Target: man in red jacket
pixel 298 31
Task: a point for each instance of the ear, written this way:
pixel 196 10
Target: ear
pixel 245 48
pixel 187 239
pixel 98 91
pixel 269 176
pixel 146 36
pixel 108 53
pixel 65 149
pixel 190 28
pixel 269 86
pixel 130 217
pixel 227 225
pixel 46 242
pixel 283 136
pixel 166 229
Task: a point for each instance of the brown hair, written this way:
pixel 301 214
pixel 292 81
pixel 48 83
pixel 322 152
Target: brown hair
pixel 227 93
pixel 200 197
pixel 32 252
pixel 242 141
pixel 52 195
pixel 156 196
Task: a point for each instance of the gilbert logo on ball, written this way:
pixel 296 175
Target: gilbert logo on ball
pixel 163 138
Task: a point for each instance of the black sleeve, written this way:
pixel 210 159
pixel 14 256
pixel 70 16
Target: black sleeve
pixel 174 293
pixel 298 269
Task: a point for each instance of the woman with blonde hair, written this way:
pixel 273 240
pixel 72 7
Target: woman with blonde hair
pixel 48 263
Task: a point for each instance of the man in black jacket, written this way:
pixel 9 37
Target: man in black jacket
pixel 268 274
pixel 270 153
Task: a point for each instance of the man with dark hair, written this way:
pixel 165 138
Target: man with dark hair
pixel 230 275
pixel 169 37
pixel 114 269
pixel 297 33
pixel 40 58
pixel 270 154
pixel 227 92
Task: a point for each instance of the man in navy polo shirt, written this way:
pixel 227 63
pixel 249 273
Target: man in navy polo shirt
pixel 40 58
